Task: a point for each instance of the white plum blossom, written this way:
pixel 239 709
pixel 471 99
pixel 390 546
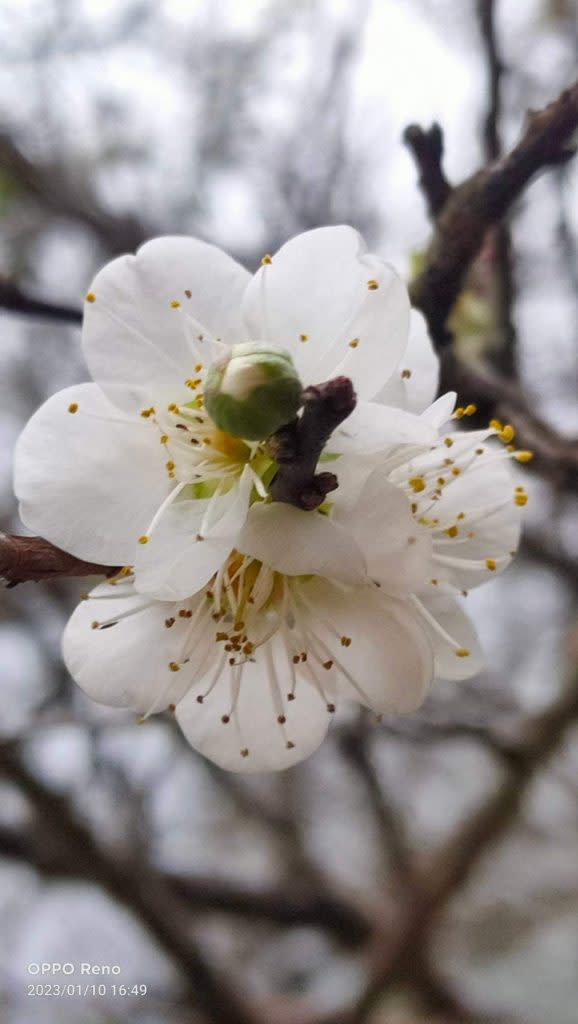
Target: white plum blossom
pixel 254 620
pixel 103 466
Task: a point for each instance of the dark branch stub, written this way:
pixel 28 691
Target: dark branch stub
pixel 427 148
pixel 296 448
pixel 32 559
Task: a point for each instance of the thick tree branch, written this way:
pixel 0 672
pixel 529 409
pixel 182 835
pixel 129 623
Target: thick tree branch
pixel 479 203
pixel 297 447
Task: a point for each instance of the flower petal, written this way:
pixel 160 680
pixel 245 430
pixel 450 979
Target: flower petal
pixel 135 328
pixel 254 725
pixel 178 560
pixel 388 663
pixel 127 664
pixel 397 550
pixel 323 291
pixel 372 428
pixel 413 385
pixel 89 481
pixel 297 543
pixel 441 613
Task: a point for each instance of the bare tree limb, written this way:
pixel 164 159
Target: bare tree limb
pixel 478 203
pixel 427 149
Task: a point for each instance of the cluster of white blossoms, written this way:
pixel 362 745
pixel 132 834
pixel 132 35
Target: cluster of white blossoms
pixel 251 619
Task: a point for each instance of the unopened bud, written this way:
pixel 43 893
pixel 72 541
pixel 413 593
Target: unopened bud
pixel 252 391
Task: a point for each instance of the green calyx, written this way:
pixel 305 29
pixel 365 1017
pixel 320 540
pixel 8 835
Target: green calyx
pixel 252 391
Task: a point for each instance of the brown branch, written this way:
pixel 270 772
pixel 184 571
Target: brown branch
pixel 15 300
pixel 140 888
pixel 32 559
pixel 427 149
pixel 478 204
pixel 297 447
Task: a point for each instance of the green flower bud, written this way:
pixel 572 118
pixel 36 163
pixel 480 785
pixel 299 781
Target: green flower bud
pixel 252 391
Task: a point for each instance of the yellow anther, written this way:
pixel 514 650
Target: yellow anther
pixel 456 471
pixel 193 383
pixel 173 666
pixel 266 260
pixel 172 407
pixel 470 409
pixel 480 451
pixel 461 515
pixel 491 564
pixel 170 465
pixel 458 413
pixel 417 484
pixel 345 641
pixel 354 343
pixel 73 407
pixel 145 413
pixel 144 539
pixel 520 490
pixel 507 433
pixel 496 425
pixel 441 480
pixel 90 297
pixel 452 531
pixel 372 285
pixel 405 374
pixel 435 582
pixel 521 500
pixel 524 456
pixel 448 442
pixel 164 438
pixel 175 304
pixel 198 367
pixel 303 337
pixel 462 652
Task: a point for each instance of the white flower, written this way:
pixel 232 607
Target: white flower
pixel 135 455
pixel 257 660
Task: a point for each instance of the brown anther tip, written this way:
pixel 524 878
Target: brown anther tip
pixel 200 699
pixel 225 719
pixel 331 708
pixel 245 752
pixel 281 719
pixel 290 696
pixel 289 745
pixel 172 708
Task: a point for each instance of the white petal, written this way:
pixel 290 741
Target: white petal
pixel 297 543
pixel 127 664
pixel 397 550
pixel 372 428
pixel 413 384
pixel 135 343
pixel 481 503
pixel 178 560
pixel 389 660
pixel 89 481
pixel 441 410
pixel 451 620
pixel 254 726
pixel 317 287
